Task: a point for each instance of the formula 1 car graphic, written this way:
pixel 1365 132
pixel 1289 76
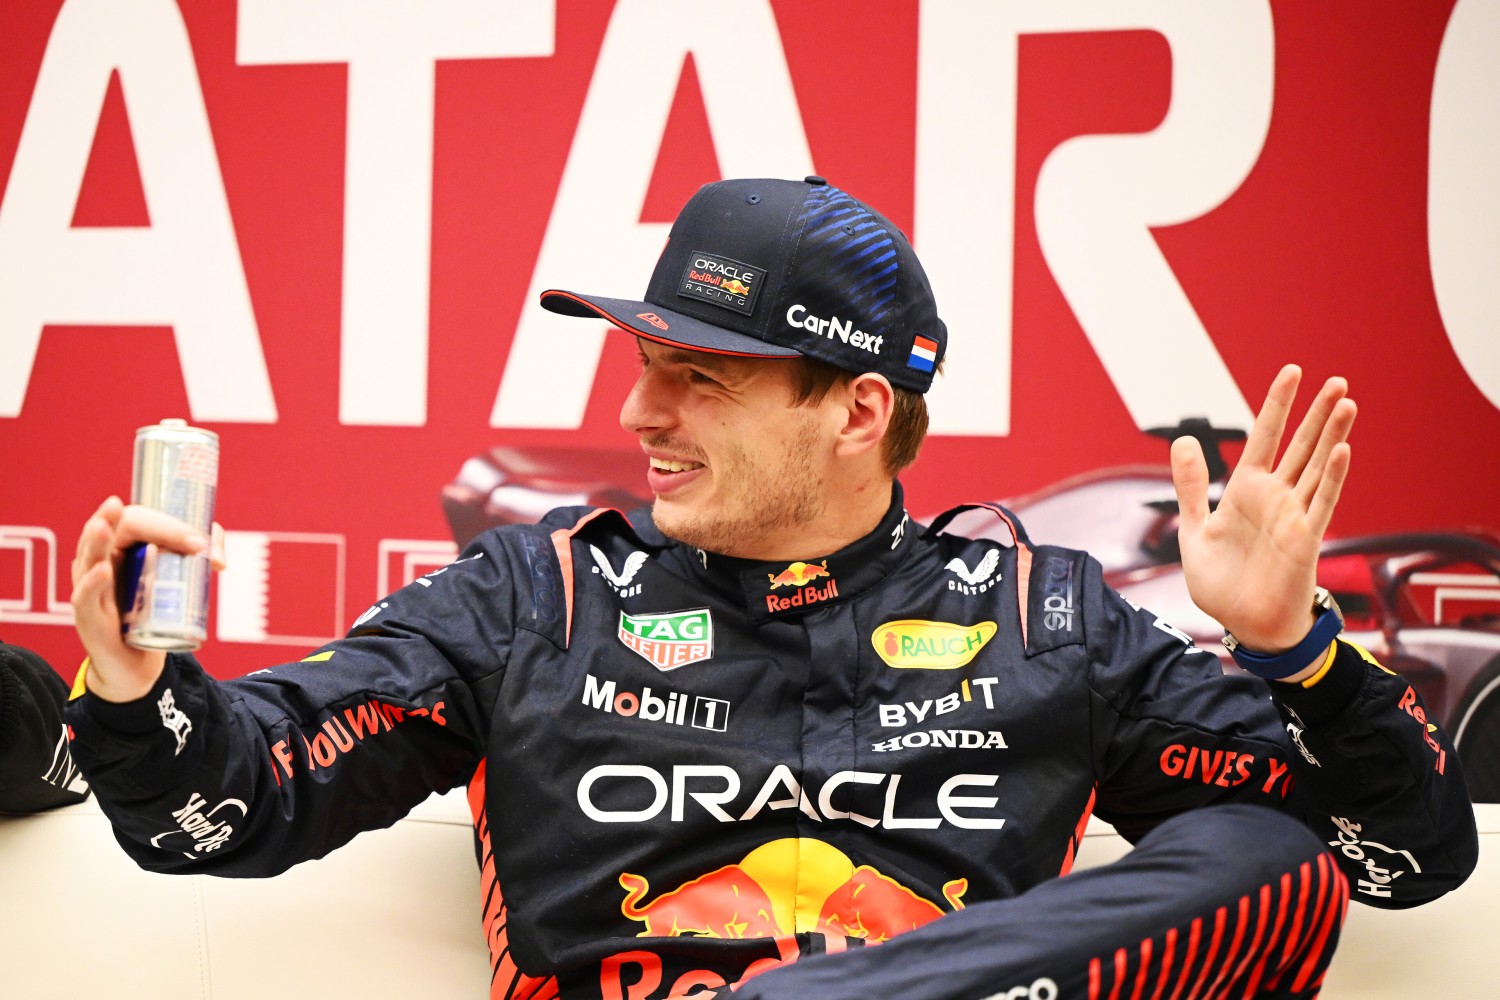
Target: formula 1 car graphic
pixel 1426 604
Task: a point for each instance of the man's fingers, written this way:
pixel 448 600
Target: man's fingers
pixel 1311 444
pixel 115 527
pixel 216 557
pixel 1190 479
pixel 93 600
pixel 1265 436
pixel 1330 485
pixel 145 524
pixel 95 541
pixel 1334 432
pixel 92 583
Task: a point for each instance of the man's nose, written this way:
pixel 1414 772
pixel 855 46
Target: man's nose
pixel 647 407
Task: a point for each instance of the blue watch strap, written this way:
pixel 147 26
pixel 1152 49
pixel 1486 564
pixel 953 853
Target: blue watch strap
pixel 1325 629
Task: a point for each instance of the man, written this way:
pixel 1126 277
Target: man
pixel 736 739
pixel 36 771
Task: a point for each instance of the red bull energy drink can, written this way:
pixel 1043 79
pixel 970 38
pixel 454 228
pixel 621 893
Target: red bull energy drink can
pixel 164 596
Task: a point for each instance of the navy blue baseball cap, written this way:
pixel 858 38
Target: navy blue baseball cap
pixel 780 268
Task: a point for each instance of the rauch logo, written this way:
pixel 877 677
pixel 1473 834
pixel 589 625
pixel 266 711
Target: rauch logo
pixel 926 645
pixel 670 640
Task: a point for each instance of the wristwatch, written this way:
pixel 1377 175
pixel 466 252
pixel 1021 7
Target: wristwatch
pixel 1329 623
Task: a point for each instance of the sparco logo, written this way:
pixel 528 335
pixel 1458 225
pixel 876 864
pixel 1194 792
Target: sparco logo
pixel 673 710
pixel 1057 604
pixel 546 595
pixel 844 330
pixel 1040 989
pixel 1383 865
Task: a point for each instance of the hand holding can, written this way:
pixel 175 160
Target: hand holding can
pixel 163 598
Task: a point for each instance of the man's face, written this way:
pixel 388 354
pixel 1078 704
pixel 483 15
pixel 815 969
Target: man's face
pixel 735 466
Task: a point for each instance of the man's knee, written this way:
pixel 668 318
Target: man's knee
pixel 1237 836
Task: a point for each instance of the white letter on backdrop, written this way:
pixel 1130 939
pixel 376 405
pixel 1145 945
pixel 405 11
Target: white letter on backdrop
pixel 1097 197
pixel 183 270
pixel 595 228
pixel 390 47
pixel 1463 201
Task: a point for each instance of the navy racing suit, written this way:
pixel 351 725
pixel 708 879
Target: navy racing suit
pixel 688 769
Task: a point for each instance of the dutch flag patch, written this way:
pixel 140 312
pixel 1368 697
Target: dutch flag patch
pixel 923 354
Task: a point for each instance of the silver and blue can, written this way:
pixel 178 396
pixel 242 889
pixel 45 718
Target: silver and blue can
pixel 164 595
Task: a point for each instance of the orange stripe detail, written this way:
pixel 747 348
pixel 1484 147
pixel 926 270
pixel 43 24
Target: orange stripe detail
pixel 1260 929
pixel 1140 976
pixel 1121 961
pixel 562 540
pixel 1023 585
pixel 1076 844
pixel 1260 968
pixel 1293 937
pixel 1335 892
pixel 1227 964
pixel 1213 950
pixel 1195 931
pixel 506 981
pixel 1166 963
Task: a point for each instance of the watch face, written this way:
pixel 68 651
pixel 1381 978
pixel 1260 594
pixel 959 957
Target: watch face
pixel 1323 600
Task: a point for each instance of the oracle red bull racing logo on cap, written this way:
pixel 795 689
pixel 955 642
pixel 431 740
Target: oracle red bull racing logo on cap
pixel 732 284
pixel 669 640
pixel 927 645
pixel 788 886
pixel 802 577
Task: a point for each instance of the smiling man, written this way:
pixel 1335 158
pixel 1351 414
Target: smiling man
pixel 731 742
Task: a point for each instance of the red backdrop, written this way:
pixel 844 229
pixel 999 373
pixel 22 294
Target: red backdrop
pixel 320 234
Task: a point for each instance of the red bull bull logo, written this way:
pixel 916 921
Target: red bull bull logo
pixel 725 903
pixel 873 906
pixel 788 886
pixel 801 576
pixel 798 574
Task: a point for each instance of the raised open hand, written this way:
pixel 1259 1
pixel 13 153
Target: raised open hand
pixel 1252 562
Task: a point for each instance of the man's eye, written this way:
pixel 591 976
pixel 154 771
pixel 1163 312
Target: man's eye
pixel 700 378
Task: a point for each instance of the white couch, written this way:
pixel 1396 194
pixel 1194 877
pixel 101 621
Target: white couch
pixel 396 914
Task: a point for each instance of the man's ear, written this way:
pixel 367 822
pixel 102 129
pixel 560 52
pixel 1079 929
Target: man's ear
pixel 868 401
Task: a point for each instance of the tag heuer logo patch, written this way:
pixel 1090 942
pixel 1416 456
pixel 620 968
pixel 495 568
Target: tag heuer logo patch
pixel 722 281
pixel 669 640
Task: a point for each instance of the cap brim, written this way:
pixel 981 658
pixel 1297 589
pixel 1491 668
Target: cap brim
pixel 669 327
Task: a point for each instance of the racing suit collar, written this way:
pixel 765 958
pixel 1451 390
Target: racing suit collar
pixel 786 588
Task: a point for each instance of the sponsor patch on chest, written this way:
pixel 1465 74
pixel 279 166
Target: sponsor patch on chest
pixel 670 639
